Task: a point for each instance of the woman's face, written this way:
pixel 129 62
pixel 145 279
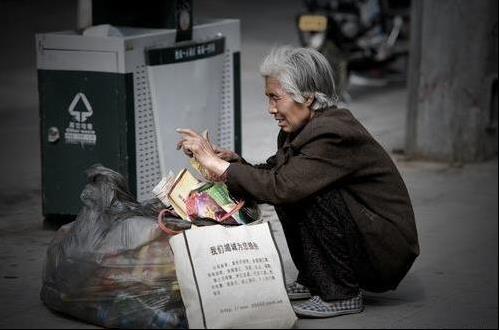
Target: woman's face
pixel 290 115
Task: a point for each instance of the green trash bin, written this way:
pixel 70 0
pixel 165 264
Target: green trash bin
pixel 96 107
pixel 74 136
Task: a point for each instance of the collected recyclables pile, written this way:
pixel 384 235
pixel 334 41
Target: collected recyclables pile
pixel 114 265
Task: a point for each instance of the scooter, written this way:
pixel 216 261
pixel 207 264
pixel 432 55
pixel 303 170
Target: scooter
pixel 360 38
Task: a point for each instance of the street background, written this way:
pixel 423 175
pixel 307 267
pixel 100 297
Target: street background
pixel 453 284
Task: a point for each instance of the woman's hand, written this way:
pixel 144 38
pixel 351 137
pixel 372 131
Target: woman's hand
pixel 227 155
pixel 199 147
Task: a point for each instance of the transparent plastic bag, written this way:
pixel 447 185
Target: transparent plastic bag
pixel 201 205
pixel 213 200
pixel 113 266
pixel 237 211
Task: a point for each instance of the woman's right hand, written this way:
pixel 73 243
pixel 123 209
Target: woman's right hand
pixel 227 155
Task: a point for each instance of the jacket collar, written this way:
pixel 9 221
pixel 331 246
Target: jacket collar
pixel 318 125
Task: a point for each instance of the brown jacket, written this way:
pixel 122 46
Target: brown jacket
pixel 335 150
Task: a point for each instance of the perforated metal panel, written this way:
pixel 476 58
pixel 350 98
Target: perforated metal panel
pixel 148 169
pixel 226 127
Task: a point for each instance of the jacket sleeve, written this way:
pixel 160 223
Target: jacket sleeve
pixel 268 165
pixel 304 173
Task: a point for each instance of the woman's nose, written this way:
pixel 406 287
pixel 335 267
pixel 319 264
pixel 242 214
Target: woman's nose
pixel 272 109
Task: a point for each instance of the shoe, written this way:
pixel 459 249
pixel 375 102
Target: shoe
pixel 296 291
pixel 316 308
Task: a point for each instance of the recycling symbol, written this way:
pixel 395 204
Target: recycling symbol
pixel 80 116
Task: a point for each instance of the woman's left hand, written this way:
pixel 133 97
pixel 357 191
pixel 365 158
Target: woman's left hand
pixel 202 150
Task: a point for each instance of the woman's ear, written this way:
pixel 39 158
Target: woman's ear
pixel 310 100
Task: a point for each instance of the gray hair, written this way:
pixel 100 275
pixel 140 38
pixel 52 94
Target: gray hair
pixel 303 73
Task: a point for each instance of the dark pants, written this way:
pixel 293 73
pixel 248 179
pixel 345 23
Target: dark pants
pixel 325 245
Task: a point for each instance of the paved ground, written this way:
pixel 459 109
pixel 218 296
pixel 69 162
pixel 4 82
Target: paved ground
pixel 453 284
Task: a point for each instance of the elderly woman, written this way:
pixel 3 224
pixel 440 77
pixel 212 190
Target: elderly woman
pixel 343 205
